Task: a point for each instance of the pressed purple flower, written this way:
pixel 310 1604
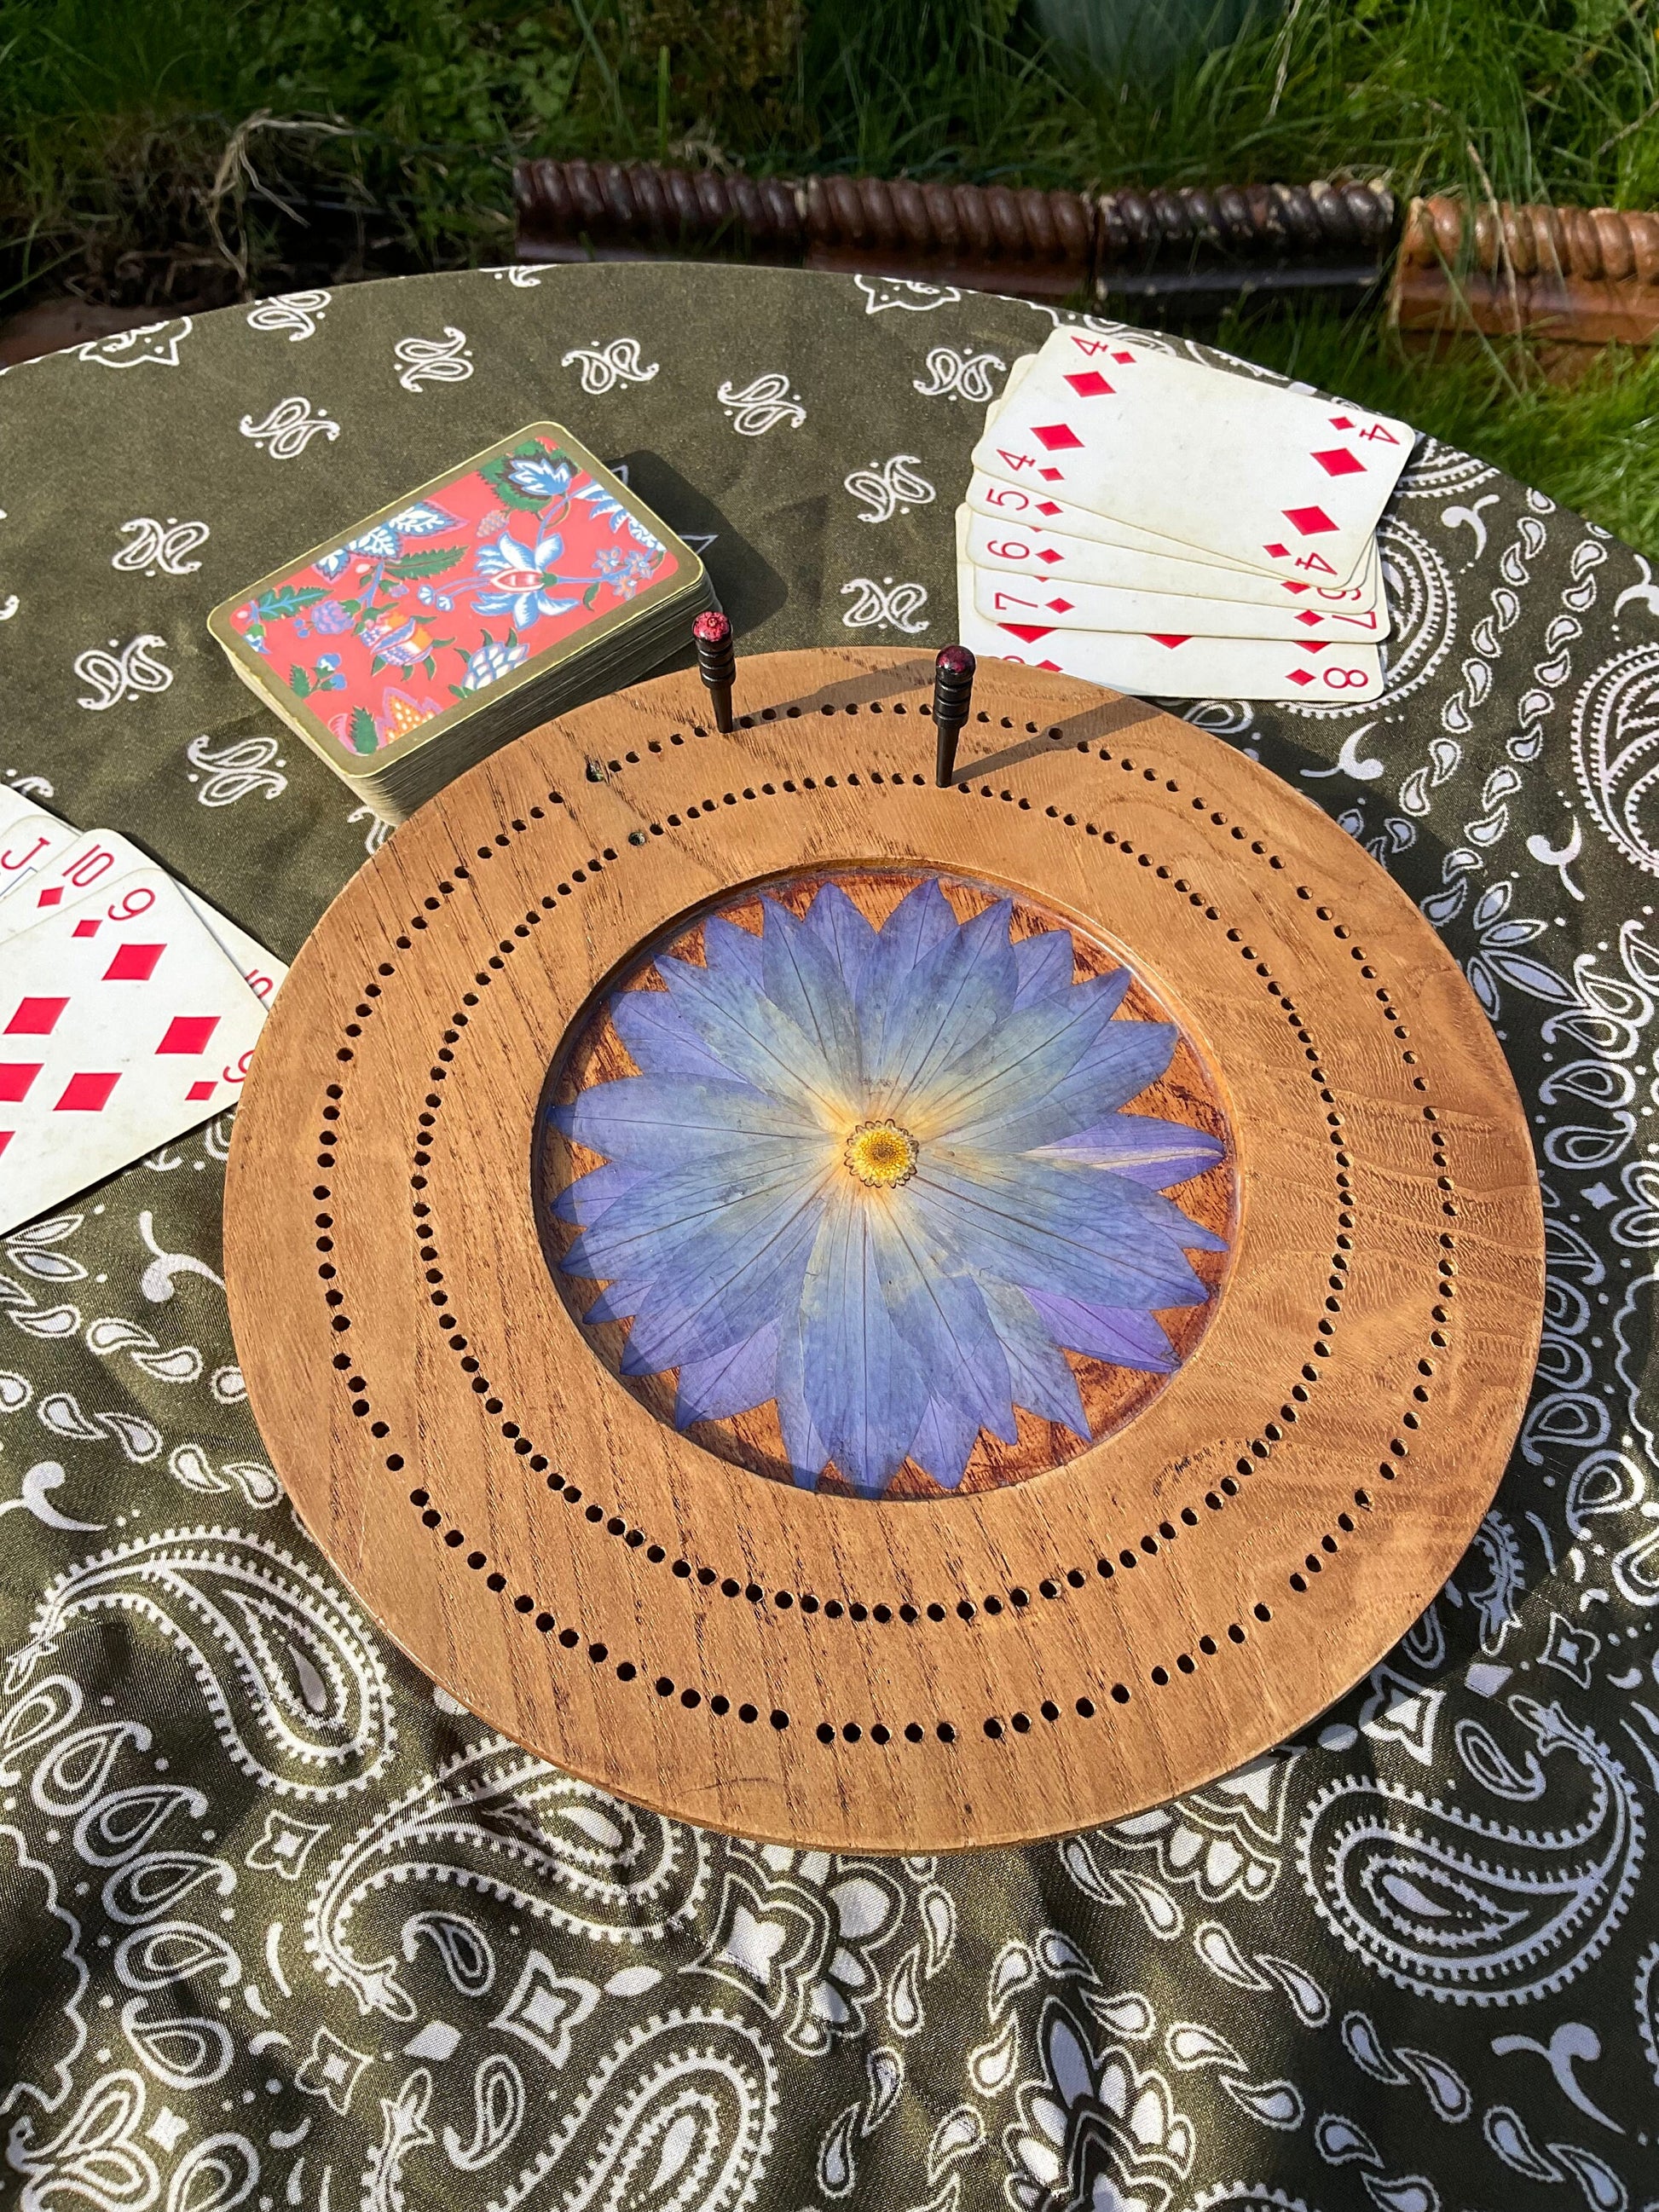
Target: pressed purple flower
pixel 884 1177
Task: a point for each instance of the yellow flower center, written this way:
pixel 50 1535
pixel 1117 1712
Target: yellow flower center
pixel 881 1154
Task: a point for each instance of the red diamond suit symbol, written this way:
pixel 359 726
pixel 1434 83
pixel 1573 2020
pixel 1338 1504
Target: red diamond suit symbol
pixel 87 1094
pixel 188 1033
pixel 134 964
pixel 35 1016
pixel 1311 521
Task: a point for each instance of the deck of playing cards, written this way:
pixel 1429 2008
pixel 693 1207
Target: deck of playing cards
pixel 1163 528
pixel 128 1007
pixel 507 590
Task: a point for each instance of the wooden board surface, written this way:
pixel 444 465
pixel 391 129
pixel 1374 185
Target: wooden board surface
pixel 927 1673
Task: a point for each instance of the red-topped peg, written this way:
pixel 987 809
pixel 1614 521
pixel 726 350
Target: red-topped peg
pixel 953 699
pixel 717 663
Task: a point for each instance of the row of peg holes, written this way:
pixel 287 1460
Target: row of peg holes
pixel 1260 1447
pixel 965 1608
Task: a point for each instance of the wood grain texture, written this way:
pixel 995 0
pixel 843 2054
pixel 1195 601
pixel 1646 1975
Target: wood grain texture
pixel 931 1673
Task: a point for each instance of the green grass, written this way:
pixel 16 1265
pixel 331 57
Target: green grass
pixel 161 150
pixel 1592 444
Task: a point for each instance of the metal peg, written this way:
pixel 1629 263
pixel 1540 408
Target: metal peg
pixel 953 699
pixel 717 663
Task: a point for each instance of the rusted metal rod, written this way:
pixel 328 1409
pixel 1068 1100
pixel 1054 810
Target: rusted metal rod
pixel 1585 276
pixel 1053 245
pixel 1581 275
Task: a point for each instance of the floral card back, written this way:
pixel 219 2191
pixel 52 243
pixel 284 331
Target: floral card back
pixel 477 584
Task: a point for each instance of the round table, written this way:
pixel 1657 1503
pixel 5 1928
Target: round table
pixel 285 1926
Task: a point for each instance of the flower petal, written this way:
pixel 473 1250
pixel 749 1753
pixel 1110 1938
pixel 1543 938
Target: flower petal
pixel 1123 1334
pixel 1150 1152
pixel 917 926
pixel 618 1301
pixel 957 995
pixel 1038 1378
pixel 802 976
pixel 661 1040
pixel 730 1382
pixel 943 1443
pixel 673 1123
pixel 700 1197
pixel 707 1291
pixel 1028 1221
pixel 1026 1058
pixel 1162 1216
pixel 587 1198
pixel 861 1381
pixel 938 1308
pixel 808 1454
pixel 846 935
pixel 727 947
pixel 1045 964
pixel 757 1040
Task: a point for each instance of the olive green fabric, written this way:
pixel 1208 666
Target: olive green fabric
pixel 284 1926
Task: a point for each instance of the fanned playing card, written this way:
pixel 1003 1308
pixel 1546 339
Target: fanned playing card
pixel 1171 664
pixel 122 1024
pixel 46 863
pixel 1285 481
pixel 1017 549
pixel 1006 598
pixel 1037 507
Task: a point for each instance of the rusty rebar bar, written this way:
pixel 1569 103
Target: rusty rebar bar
pixel 1193 241
pixel 1584 275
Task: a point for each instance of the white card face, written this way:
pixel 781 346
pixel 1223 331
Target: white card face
pixel 1005 599
pixel 1288 483
pixel 28 837
pixel 1037 504
pixel 1033 504
pixel 122 1024
pixel 1175 667
pixel 1172 666
pixel 82 863
pixel 72 864
pixel 1010 502
pixel 1018 551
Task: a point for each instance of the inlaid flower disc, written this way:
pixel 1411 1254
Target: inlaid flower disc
pixel 891 1183
pixel 881 1317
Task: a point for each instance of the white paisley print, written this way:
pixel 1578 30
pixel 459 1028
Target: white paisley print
pixel 283 1926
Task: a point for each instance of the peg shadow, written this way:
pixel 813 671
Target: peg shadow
pixel 751 589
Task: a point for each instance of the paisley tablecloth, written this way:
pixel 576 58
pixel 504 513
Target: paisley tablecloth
pixel 282 1925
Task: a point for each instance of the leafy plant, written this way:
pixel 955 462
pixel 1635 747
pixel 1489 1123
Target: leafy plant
pixel 424 562
pixel 287 600
pixel 193 152
pixel 509 494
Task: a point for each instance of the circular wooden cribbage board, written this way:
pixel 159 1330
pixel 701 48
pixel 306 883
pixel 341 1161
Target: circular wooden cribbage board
pixel 1086 1624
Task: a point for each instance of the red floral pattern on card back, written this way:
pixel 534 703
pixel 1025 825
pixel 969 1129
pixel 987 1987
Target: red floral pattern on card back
pixel 503 566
